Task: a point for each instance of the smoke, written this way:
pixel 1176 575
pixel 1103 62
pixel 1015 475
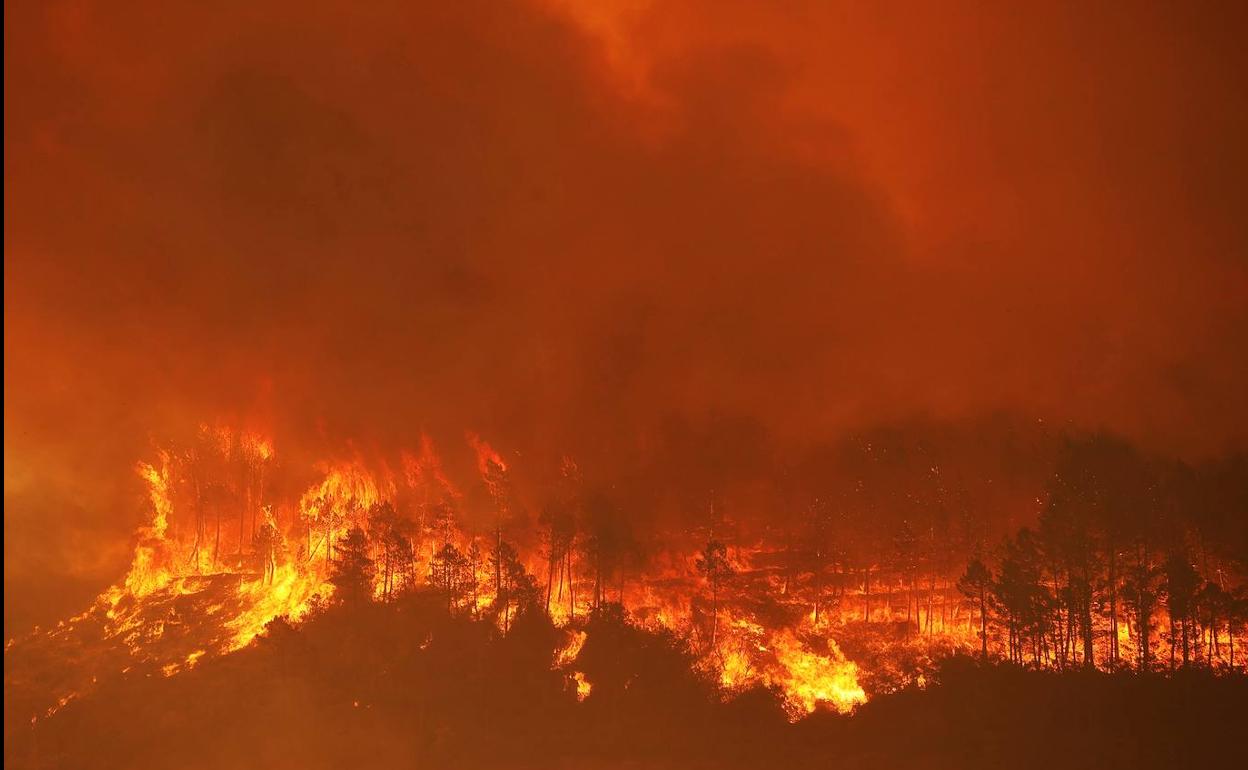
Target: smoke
pixel 603 233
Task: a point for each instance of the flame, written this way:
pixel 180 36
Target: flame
pixel 809 679
pixel 182 602
pixel 257 446
pixel 158 492
pixel 566 655
pixel 347 489
pixel 290 594
pixel 486 456
pixel 424 471
pixel 583 687
pixel 147 573
pixel 565 658
pixel 339 501
pixel 754 655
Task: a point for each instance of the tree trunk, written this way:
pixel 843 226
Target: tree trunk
pixel 216 545
pixel 571 588
pixel 866 593
pixel 931 589
pixel 818 581
pixel 714 614
pixel 550 576
pixel 983 624
pixel 1173 641
pixel 1113 606
pixel 242 518
pixel 498 561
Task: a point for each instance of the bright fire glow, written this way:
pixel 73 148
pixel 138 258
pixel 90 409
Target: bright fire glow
pixel 223 555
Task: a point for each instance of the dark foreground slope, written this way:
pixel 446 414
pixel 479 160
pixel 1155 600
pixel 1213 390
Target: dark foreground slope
pixel 404 685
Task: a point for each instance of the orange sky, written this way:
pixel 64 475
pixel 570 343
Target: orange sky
pixel 562 224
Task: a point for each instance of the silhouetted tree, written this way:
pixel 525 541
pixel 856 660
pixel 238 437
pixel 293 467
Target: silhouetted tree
pixel 1212 605
pixel 607 542
pixel 1236 618
pixel 475 560
pixel 1020 594
pixel 393 535
pixel 353 568
pixel 1066 537
pixel 905 560
pixel 498 484
pixel 1182 583
pixel 452 575
pixel 517 589
pixel 558 523
pixel 974 584
pixel 1140 593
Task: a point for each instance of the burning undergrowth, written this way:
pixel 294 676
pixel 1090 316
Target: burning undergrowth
pixel 229 554
pixel 223 556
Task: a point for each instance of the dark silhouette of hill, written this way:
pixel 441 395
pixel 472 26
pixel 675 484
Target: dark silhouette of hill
pixel 407 685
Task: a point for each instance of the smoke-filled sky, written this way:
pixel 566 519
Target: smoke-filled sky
pixel 570 226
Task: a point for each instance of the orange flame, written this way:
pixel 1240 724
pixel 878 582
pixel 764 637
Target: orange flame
pixel 486 456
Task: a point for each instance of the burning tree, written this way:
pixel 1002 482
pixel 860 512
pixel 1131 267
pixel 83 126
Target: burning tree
pixel 714 566
pixel 558 522
pixel 498 484
pixel 270 545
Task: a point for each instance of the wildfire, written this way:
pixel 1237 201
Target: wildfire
pixel 583 687
pixel 809 679
pixel 487 458
pixel 753 655
pixel 158 492
pixel 565 658
pixel 337 502
pixel 424 471
pixel 222 555
pixel 567 654
pixel 289 594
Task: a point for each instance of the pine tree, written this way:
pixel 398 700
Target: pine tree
pixel 452 575
pixel 517 588
pixel 975 584
pixel 1182 583
pixel 1020 594
pixel 393 533
pixel 353 568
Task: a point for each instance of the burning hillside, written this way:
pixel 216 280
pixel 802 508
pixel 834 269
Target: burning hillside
pixel 625 384
pixel 822 618
pixel 223 556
